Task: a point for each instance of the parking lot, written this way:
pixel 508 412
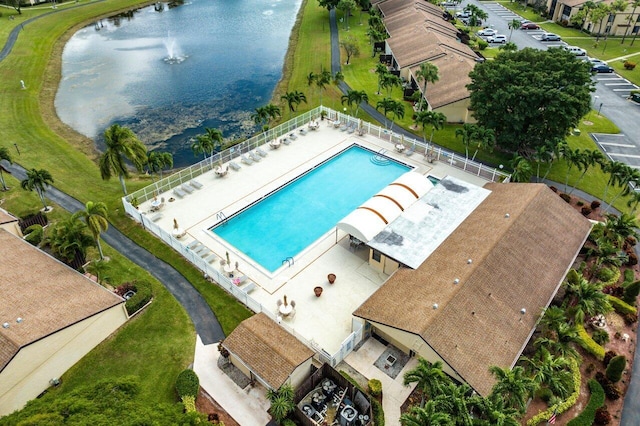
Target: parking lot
pixel 619 147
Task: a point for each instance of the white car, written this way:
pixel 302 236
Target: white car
pixel 498 38
pixel 487 32
pixel 578 51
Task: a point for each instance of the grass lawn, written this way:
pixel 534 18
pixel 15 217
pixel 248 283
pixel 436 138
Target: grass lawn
pixel 526 13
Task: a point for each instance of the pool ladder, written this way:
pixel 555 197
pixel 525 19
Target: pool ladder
pixel 289 260
pixel 221 217
pixel 380 159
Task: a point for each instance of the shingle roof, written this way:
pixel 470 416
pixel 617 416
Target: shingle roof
pixel 410 17
pixel 6 217
pixel 453 70
pixel 45 293
pixel 267 349
pixel 517 262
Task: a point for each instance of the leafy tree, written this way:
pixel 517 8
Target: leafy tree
pixel 544 95
pixel 95 216
pixel 38 180
pixel 328 4
pixel 389 105
pixel 513 386
pixel 426 416
pixel 583 15
pixel 428 73
pixel 351 48
pixel 354 97
pixel 428 376
pixel 614 8
pixel 158 161
pixel 293 99
pixel 16 4
pixel 346 6
pixel 508 47
pixel 597 15
pixel 4 155
pixel 122 144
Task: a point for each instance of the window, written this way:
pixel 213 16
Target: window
pixel 611 18
pixel 377 256
pixel 635 29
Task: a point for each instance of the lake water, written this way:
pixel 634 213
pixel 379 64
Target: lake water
pixel 226 58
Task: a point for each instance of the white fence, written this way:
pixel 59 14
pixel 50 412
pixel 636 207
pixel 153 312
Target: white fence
pixel 189 173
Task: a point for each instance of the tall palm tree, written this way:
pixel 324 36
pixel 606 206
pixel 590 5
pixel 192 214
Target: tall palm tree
pixel 427 416
pixel 387 105
pixel 614 8
pixel 493 411
pixel 95 216
pixel 543 154
pixel 158 161
pixel 485 138
pixel 215 136
pixel 273 111
pixel 322 80
pixel 616 229
pixel 428 376
pixel 430 118
pixel 572 157
pixel 597 15
pixel 614 169
pixel 38 180
pixel 354 97
pixel 551 371
pixel 4 155
pixel 514 24
pixel 428 73
pixel 261 117
pixel 467 132
pixel 453 399
pixel 522 169
pixel 634 200
pixel 390 81
pixel 99 268
pixel 627 176
pixel 513 386
pixel 346 6
pixel 202 145
pixel 555 146
pixel 381 71
pixel 293 99
pixel 122 144
pixel 589 158
pixel 635 4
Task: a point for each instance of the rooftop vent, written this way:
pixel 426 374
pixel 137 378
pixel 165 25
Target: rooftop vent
pixel 19 320
pixel 507 215
pixel 456 281
pixel 469 261
pixel 435 306
pixel 523 311
pixel 5 325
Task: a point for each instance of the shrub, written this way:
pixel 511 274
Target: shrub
pixel 586 211
pixel 482 44
pixel 615 368
pixel 288 422
pixel 600 336
pixel 631 292
pixel 554 189
pixel 603 417
pixel 588 343
pixel 620 306
pixel 587 417
pixel 595 204
pixel 545 394
pixel 189 403
pixel 142 297
pixel 608 276
pixel 563 406
pixel 375 387
pixel 566 197
pixel 629 276
pixel 187 383
pixel 628 65
pixel 579 203
pixel 610 389
pixel 632 259
pixel 630 319
pixel 378 412
pixel 608 357
pixel 34 234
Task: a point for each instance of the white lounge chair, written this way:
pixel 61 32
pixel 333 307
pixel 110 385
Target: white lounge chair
pixel 286 141
pixel 186 188
pixel 303 132
pixel 261 152
pixel 156 217
pixel 235 166
pixel 255 157
pixel 246 160
pixel 195 184
pixel 293 136
pixel 409 152
pixel 179 192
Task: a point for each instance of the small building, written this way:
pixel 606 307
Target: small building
pixel 266 352
pixel 618 23
pixel 51 317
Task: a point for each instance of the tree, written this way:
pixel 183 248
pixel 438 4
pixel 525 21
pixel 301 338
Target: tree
pixel 381 71
pixel 583 15
pixel 544 96
pixel 508 47
pixel 328 4
pixel 16 4
pixel 514 24
pixel 281 402
pixel 427 376
pixel 585 299
pixel 430 118
pixel 614 169
pixel 4 155
pixel 95 216
pixel 427 416
pixel 467 133
pixel 513 386
pixel 38 180
pixel 346 6
pixel 453 400
pixel 589 159
pixel 99 268
pixel 428 73
pixel 493 411
pixel 572 157
pixel 522 170
pixel 69 238
pixel 354 97
pixel 351 48
pixel 121 144
pixel 215 136
pixel 485 138
pixel 551 371
pixel 614 8
pixel 158 161
pixel 390 81
pixel 626 176
pixel 389 105
pixel 261 117
pixel 634 200
pixel 635 4
pixel 597 15
pixel 202 145
pixel 293 99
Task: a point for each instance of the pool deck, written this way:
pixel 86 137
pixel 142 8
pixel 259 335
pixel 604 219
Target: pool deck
pixel 326 320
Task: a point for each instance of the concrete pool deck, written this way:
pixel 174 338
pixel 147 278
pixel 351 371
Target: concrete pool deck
pixel 326 321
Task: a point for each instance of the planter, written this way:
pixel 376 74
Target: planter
pixel 331 278
pixel 317 291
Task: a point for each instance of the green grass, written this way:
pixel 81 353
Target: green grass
pixel 526 13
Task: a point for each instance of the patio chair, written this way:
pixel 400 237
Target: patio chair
pixel 195 184
pixel 255 157
pixel 409 152
pixel 293 136
pixel 235 166
pixel 186 188
pixel 303 132
pixel 343 127
pixel 261 152
pixel 286 141
pixel 156 217
pixel 246 160
pixel 179 193
pixel 351 128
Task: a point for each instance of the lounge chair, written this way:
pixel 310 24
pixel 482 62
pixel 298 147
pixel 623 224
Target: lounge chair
pixel 179 192
pixel 195 184
pixel 409 152
pixel 156 217
pixel 186 188
pixel 343 127
pixel 211 258
pixel 286 141
pixel 261 152
pixel 255 157
pixel 303 132
pixel 293 136
pixel 246 160
pixel 351 128
pixel 194 244
pixel 235 166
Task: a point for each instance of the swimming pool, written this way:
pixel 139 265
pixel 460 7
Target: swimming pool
pixel 292 218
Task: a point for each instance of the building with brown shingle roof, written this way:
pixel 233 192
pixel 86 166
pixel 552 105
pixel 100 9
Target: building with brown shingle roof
pixel 9 223
pixel 475 301
pixel 51 317
pixel 265 351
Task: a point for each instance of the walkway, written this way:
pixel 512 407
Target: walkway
pixel 205 321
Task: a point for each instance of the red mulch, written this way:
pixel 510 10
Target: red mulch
pixel 207 405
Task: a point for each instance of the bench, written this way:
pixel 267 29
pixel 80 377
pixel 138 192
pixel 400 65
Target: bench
pixel 249 287
pixel 195 184
pixel 179 193
pixel 211 258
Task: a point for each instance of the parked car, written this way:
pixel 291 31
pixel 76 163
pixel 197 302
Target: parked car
pixel 530 26
pixel 449 4
pixel 487 32
pixel 578 51
pixel 524 21
pixel 463 15
pixel 595 61
pixel 498 38
pixel 550 37
pixel 601 68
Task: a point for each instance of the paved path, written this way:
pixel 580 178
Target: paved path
pixel 205 321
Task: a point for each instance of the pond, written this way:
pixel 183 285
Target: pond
pixel 168 71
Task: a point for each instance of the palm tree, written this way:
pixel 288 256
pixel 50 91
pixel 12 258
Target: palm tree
pixel 99 268
pixel 381 71
pixel 589 158
pixel 346 6
pixel 454 400
pixel 121 144
pixel 627 176
pixel 635 4
pixel 95 216
pixel 322 80
pixel 467 132
pixel 513 386
pixel 585 299
pixel 435 119
pixel 428 376
pixel 387 105
pixel 69 238
pixel 355 97
pixel 572 158
pixel 4 155
pixel 554 146
pixel 634 200
pixel 493 411
pixel 390 81
pixel 614 169
pixel 616 6
pixel 551 371
pixel 281 402
pixel 597 15
pixel 261 117
pixel 543 154
pixel 215 136
pixel 158 161
pixel 616 229
pixel 38 180
pixel 293 99
pixel 486 139
pixel 428 73
pixel 427 416
pixel 508 47
pixel 514 24
pixel 202 145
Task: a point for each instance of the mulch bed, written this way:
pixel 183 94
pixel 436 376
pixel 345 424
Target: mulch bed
pixel 207 405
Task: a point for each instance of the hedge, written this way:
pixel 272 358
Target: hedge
pixel 609 276
pixel 375 387
pixel 378 412
pixel 142 297
pixel 34 234
pixel 588 343
pixel 187 383
pixel 620 306
pixel 615 368
pixel 189 403
pixel 588 415
pixel 631 292
pixel 563 406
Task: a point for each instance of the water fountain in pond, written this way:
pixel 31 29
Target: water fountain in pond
pixel 174 55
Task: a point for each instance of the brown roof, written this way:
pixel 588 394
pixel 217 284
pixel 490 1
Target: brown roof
pixel 572 3
pixel 517 262
pixel 6 217
pixel 410 18
pixel 453 70
pixel 48 295
pixel 267 349
pixel 391 7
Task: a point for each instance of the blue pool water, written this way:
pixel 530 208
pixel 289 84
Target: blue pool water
pixel 289 220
